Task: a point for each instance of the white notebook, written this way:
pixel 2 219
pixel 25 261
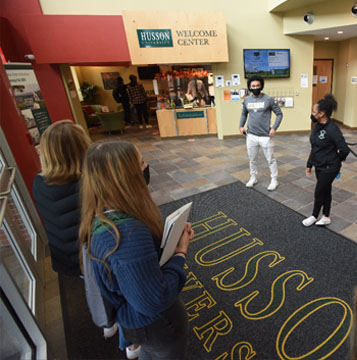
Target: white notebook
pixel 174 225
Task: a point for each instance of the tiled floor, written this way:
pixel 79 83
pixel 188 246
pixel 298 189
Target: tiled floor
pixel 185 166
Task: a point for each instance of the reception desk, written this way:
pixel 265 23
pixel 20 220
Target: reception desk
pixel 187 122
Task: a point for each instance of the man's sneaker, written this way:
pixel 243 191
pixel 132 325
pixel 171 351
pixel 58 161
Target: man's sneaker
pixel 309 221
pixel 148 126
pixel 132 354
pixel 109 332
pixel 252 181
pixel 325 220
pixel 273 185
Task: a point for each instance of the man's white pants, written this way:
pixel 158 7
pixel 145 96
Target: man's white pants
pixel 267 144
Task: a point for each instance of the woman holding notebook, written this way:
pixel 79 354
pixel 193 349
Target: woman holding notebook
pixel 122 227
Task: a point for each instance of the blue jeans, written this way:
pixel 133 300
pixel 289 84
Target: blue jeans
pixel 166 338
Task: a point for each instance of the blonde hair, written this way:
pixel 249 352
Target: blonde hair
pixel 112 179
pixel 62 149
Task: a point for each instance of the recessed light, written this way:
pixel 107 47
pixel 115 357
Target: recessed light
pixel 326 38
pixel 340 32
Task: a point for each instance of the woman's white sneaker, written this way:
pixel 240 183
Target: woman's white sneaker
pixel 109 332
pixel 132 354
pixel 309 221
pixel 325 220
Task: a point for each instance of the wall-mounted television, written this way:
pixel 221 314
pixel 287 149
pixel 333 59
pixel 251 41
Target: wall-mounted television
pixel 267 63
pixel 148 72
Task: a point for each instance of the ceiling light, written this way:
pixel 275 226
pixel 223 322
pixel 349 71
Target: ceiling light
pixel 326 38
pixel 340 32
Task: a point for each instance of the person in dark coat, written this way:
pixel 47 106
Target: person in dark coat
pixel 121 96
pixel 56 192
pixel 138 98
pixel 328 150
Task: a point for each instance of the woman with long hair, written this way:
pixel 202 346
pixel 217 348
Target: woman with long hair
pixel 328 150
pixel 122 227
pixel 56 192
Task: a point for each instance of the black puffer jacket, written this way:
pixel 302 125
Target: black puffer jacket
pixel 328 147
pixel 58 206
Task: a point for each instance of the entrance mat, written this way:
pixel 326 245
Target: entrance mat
pixel 262 286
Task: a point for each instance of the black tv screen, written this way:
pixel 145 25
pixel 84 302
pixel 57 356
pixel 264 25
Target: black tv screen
pixel 148 72
pixel 267 63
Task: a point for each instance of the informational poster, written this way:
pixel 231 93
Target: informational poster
pixel 219 80
pixel 354 80
pixel 235 95
pixel 231 95
pixel 304 80
pixel 29 97
pixel 323 79
pixel 235 79
pixel 314 80
pixel 289 102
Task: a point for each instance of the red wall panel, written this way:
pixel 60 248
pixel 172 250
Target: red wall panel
pixel 15 45
pixel 77 38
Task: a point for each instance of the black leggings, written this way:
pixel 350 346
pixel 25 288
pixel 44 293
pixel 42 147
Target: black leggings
pixel 166 338
pixel 323 189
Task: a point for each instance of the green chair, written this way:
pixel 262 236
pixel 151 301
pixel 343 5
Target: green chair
pixel 96 108
pixel 133 114
pixel 112 121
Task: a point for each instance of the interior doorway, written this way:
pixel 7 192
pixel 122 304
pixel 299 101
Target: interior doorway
pixel 322 80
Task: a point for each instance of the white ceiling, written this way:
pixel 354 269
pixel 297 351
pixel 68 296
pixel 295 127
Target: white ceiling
pixel 294 4
pixel 349 31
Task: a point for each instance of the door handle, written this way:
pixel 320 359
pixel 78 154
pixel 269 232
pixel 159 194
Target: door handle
pixel 5 177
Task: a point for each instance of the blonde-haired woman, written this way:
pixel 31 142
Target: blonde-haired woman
pixel 56 192
pixel 122 227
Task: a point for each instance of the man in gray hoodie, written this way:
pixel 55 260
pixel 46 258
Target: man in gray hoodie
pixel 259 132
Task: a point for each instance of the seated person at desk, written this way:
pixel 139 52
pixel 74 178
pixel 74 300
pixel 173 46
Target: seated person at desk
pixel 196 90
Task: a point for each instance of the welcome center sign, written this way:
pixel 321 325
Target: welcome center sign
pixel 159 37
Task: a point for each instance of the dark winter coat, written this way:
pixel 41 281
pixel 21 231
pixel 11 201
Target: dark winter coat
pixel 58 206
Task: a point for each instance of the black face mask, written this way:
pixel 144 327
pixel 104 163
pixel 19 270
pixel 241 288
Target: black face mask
pixel 256 92
pixel 146 174
pixel 313 118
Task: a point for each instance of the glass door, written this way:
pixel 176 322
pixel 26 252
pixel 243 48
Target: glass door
pixel 22 252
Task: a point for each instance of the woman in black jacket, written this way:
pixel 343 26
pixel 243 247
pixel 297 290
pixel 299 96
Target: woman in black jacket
pixel 56 192
pixel 328 149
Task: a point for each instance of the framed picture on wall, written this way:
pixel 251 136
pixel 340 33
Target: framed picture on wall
pixel 109 80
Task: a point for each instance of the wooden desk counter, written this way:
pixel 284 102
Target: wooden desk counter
pixel 187 122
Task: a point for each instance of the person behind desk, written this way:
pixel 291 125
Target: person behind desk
pixel 121 96
pixel 196 90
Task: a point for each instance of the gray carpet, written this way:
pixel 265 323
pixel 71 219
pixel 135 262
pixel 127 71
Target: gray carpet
pixel 262 286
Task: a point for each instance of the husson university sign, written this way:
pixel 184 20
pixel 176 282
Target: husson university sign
pixel 182 37
pixel 149 38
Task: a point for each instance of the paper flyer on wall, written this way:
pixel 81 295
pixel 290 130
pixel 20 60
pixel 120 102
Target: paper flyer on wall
pixel 174 225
